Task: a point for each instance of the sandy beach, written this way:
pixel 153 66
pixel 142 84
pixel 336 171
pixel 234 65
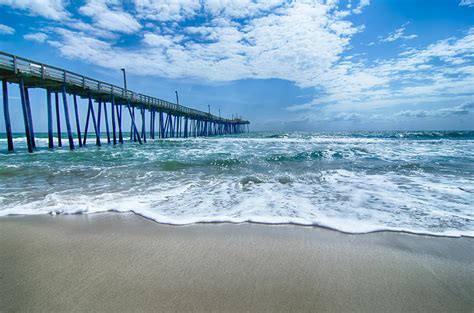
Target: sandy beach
pixel 123 262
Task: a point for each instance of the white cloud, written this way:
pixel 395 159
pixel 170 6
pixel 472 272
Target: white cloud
pixel 346 117
pixel 469 3
pixel 297 41
pixel 412 78
pixel 360 6
pixel 167 10
pixel 39 37
pixel 108 15
pixel 6 30
pixel 156 40
pixel 302 42
pixel 398 34
pixel 90 29
pixel 52 9
pixel 240 9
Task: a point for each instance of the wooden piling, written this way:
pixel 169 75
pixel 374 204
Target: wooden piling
pixel 68 122
pixel 58 119
pixel 106 123
pixel 143 125
pixel 162 125
pixel 90 114
pixel 152 124
pixel 30 117
pixel 78 125
pixel 118 109
pixel 134 127
pixel 86 128
pixel 99 113
pixel 25 117
pixel 185 127
pixel 6 114
pixel 171 126
pixel 112 107
pixel 49 109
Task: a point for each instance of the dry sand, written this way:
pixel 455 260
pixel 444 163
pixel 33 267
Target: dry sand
pixel 122 262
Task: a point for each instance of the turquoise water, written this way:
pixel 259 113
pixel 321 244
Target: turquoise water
pixel 420 182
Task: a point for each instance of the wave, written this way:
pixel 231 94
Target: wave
pixel 352 183
pixel 341 200
pixel 333 224
pixel 433 135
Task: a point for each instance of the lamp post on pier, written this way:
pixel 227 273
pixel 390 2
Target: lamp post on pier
pixel 177 98
pixel 124 80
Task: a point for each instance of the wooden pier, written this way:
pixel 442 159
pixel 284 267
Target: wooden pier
pixel 174 120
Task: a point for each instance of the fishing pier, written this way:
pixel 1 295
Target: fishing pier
pixel 174 120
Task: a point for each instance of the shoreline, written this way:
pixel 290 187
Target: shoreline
pixel 217 222
pixel 125 262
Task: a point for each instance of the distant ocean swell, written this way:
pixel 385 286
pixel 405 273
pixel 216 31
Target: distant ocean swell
pixel 418 182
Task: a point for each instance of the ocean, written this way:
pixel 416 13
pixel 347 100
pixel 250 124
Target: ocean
pixel 354 182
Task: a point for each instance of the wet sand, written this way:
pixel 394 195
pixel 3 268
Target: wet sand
pixel 122 262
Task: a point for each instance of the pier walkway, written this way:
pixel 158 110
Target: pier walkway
pixel 174 120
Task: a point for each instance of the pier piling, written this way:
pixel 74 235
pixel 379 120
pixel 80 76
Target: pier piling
pixel 30 117
pixel 68 122
pixel 106 123
pixel 78 124
pixel 6 114
pixel 114 134
pixel 25 116
pixel 58 119
pixel 49 109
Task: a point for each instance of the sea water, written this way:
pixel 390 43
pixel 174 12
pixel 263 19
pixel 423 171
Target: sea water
pixel 420 182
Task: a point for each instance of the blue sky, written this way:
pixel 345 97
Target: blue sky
pixel 284 65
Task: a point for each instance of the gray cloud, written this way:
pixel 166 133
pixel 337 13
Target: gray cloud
pixel 462 109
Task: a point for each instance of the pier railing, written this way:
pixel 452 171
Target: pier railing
pixel 22 66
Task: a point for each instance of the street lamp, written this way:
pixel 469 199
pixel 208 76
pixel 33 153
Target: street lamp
pixel 124 80
pixel 177 99
pixel 209 108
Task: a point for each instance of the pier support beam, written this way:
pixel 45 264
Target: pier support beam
pixel 118 108
pixel 112 107
pixel 133 134
pixel 134 127
pixel 186 127
pixel 170 125
pixel 49 108
pixel 6 114
pixel 58 119
pixel 25 117
pixel 78 125
pixel 152 124
pixel 162 125
pixel 106 122
pixel 178 126
pixel 143 125
pixel 68 122
pixel 99 113
pixel 30 117
pixel 90 112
